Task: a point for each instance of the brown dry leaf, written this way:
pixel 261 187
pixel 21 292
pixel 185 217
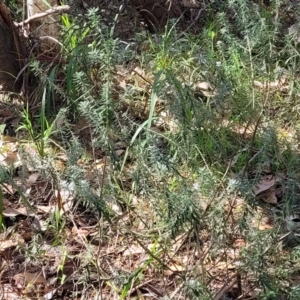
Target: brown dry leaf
pixel 64 200
pixel 239 243
pixel 39 225
pixel 119 152
pixel 266 182
pixel 100 163
pixel 135 200
pixel 269 197
pixel 261 221
pixel 174 267
pixel 140 294
pixel 133 249
pixel 32 179
pixel 232 253
pixel 9 139
pixel 25 229
pixel 265 226
pixel 50 295
pixel 79 232
pixel 8 189
pixel 59 200
pixel 113 204
pixel 8 293
pixel 204 86
pixel 4 245
pixel 22 279
pixel 59 164
pixel 69 267
pixel 222 265
pixel 273 85
pixel 13 159
pixel 12 212
pixel 122 84
pixel 81 222
pixel 46 209
pixel 139 71
pixel 165 119
pixel 178 243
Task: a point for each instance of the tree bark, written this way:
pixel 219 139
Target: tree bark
pixel 11 52
pixel 44 29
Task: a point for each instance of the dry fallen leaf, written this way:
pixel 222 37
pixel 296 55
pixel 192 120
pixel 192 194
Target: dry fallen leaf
pixel 266 182
pixel 8 292
pixel 133 249
pixel 223 265
pixel 4 245
pixel 239 243
pixel 204 86
pixel 261 221
pixel 50 295
pixel 269 196
pixel 273 85
pixel 46 209
pixel 25 229
pixel 180 240
pixel 174 267
pixel 9 139
pixel 113 204
pixel 64 199
pixel 22 279
pixel 119 152
pixel 79 232
pixel 8 189
pixel 12 212
pixel 32 179
pixel 122 84
pixel 265 226
pixel 13 159
pixel 59 200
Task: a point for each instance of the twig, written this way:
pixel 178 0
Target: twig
pixel 251 148
pixel 54 10
pixel 225 288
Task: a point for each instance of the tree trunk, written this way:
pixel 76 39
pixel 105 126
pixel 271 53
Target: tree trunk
pixel 44 30
pixel 11 52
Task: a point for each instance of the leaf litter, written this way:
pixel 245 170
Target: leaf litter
pixel 95 254
pixel 92 253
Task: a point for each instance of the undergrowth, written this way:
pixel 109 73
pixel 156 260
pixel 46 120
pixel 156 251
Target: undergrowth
pixel 184 131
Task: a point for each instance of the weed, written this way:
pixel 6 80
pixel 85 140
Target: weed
pixel 196 140
pixel 41 136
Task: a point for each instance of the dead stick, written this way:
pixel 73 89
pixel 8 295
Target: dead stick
pixel 54 10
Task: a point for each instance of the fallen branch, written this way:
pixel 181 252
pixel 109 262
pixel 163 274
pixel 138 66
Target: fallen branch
pixel 54 10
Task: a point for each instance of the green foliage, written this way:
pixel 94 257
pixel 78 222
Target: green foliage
pixel 227 129
pixel 196 290
pixel 6 178
pixel 40 136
